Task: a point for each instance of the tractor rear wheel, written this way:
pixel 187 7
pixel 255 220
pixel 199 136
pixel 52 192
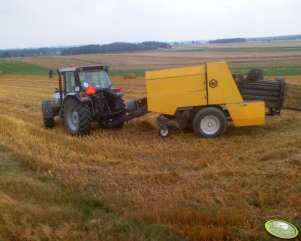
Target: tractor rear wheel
pixel 77 117
pixel 120 106
pixel 48 123
pixel 209 122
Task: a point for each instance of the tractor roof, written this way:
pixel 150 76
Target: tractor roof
pixel 83 68
pixel 70 69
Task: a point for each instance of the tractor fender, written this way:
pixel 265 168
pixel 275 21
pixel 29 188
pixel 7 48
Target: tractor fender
pixel 116 91
pixel 76 96
pixel 47 109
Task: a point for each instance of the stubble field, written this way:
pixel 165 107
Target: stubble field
pixel 179 188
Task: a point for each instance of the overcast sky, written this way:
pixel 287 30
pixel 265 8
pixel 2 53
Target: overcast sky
pixel 38 23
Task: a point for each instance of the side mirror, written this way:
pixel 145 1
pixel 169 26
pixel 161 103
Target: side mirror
pixel 50 74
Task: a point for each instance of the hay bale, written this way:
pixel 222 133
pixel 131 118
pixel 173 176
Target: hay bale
pixel 129 76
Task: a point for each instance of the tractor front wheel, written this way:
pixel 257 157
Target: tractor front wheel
pixel 48 123
pixel 48 118
pixel 209 122
pixel 77 117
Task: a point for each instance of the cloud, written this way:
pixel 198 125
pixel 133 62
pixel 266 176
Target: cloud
pixel 43 23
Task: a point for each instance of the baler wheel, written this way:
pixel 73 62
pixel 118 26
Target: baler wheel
pixel 163 131
pixel 209 122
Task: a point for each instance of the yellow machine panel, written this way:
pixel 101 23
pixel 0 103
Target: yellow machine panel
pixel 200 86
pixel 247 113
pixel 170 89
pixel 221 86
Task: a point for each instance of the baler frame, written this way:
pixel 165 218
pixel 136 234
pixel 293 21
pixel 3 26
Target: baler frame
pixel 220 94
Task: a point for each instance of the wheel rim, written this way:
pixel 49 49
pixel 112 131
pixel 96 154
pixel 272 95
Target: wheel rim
pixel 72 119
pixel 164 132
pixel 210 125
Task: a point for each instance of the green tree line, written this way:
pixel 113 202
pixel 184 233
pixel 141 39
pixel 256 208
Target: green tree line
pixel 118 47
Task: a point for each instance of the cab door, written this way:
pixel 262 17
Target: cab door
pixel 69 82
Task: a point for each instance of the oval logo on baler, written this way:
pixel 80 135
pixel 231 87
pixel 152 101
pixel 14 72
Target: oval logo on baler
pixel 213 83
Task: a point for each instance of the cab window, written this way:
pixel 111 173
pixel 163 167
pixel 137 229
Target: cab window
pixel 69 82
pixel 99 78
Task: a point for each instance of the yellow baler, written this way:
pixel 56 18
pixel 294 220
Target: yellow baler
pixel 205 97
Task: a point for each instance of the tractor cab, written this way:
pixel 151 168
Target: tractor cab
pixel 84 96
pixel 78 79
pixel 99 78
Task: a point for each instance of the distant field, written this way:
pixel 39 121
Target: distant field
pixel 277 70
pixel 241 45
pixel 16 67
pixel 276 58
pixel 21 68
pixel 241 49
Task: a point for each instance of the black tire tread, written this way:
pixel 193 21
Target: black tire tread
pixel 209 111
pixel 48 123
pixel 120 106
pixel 84 115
